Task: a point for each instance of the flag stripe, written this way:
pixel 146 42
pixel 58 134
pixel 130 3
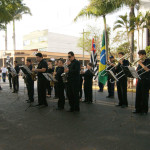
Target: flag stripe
pixel 94 59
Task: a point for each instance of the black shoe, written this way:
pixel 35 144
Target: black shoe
pixel 124 106
pixel 70 110
pixel 14 92
pixel 108 96
pixel 77 109
pixel 30 101
pixel 118 105
pixel 38 105
pixel 84 101
pixel 135 112
pixel 143 113
pixel 55 97
pixel 59 108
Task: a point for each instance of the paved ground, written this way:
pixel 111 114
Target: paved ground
pixel 99 126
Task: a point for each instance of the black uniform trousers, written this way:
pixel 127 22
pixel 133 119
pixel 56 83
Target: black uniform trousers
pixel 30 88
pixel 111 88
pixel 88 92
pixel 80 91
pixel 61 100
pixel 56 89
pixel 42 91
pixel 48 86
pixel 15 80
pixel 122 91
pixel 73 95
pixel 10 80
pixel 142 96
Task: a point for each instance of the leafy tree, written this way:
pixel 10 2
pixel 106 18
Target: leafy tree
pixel 91 32
pixel 123 22
pixel 148 49
pixel 100 8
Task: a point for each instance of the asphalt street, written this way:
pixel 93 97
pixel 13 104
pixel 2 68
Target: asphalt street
pixel 98 126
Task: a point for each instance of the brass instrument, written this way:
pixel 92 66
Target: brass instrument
pixel 65 75
pixel 52 81
pixel 12 70
pixel 126 56
pixel 142 59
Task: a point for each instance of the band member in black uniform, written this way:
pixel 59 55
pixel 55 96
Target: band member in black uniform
pixel 142 89
pixel 73 82
pixel 111 83
pixel 15 79
pixel 122 83
pixel 81 82
pixel 60 85
pixel 88 82
pixel 50 70
pixel 9 77
pixel 42 68
pixel 55 84
pixel 30 83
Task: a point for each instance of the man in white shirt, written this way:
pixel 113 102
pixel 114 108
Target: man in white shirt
pixel 4 73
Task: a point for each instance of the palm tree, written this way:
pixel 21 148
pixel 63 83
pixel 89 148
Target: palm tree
pixel 146 20
pixel 139 22
pixel 99 8
pixel 17 15
pixel 131 4
pixel 123 22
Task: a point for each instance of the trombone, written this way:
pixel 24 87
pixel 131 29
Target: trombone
pixel 126 56
pixel 143 59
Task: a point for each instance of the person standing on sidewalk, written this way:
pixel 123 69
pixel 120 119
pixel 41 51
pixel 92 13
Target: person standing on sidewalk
pixel 88 82
pixel 73 82
pixel 110 82
pixel 4 73
pixel 41 84
pixel 122 83
pixel 60 85
pixel 15 78
pixel 142 89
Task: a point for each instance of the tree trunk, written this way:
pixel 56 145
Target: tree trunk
pixel 138 39
pixel 142 37
pixel 106 44
pixel 14 36
pixel 132 14
pixel 5 37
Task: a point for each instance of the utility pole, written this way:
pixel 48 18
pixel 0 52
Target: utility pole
pixel 83 62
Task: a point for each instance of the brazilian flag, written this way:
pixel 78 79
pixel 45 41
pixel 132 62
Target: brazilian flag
pixel 102 65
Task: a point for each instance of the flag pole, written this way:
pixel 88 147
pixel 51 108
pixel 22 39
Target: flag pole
pixel 106 44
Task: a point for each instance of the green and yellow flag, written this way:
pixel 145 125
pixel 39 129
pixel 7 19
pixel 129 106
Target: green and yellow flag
pixel 102 65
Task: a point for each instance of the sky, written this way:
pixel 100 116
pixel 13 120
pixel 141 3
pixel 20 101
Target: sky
pixel 57 16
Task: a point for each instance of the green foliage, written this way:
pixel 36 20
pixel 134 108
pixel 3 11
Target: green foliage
pixel 98 8
pixel 91 32
pixel 148 49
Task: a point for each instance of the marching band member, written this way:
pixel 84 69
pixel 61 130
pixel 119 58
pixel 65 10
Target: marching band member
pixel 60 85
pixel 15 78
pixel 88 82
pixel 142 89
pixel 73 83
pixel 81 82
pixel 110 83
pixel 30 83
pixel 55 84
pixel 42 68
pixel 122 83
pixel 51 71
